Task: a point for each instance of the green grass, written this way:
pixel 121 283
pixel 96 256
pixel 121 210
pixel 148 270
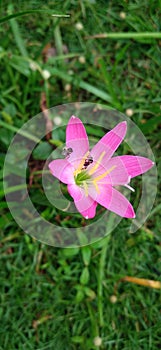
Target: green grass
pixel 54 298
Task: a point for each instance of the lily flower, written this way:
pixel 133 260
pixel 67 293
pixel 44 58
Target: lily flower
pixel 91 175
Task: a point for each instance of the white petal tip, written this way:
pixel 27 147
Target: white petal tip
pixel 73 117
pixel 86 217
pixel 153 163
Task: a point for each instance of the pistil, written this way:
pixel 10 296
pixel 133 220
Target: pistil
pixel 80 166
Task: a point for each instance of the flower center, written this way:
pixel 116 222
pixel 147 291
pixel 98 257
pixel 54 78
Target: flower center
pixel 81 177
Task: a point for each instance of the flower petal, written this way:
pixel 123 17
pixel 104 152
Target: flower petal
pixel 134 165
pixel 116 171
pixel 109 143
pixel 76 192
pixel 63 170
pixel 85 205
pixel 114 201
pixel 76 138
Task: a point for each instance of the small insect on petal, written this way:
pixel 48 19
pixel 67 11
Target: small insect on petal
pixel 66 152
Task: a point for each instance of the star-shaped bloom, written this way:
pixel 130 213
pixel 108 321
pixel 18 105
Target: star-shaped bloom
pixel 91 175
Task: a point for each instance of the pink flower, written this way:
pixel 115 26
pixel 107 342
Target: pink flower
pixel 91 176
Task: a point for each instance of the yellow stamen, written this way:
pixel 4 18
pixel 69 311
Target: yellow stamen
pixel 96 187
pixel 94 168
pixel 100 177
pixel 85 188
pixel 80 166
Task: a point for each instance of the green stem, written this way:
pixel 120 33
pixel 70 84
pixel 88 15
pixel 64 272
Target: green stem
pixel 100 280
pixel 130 35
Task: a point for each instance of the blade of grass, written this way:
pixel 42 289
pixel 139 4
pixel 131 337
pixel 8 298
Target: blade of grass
pixel 58 39
pixel 28 12
pixel 81 84
pixel 12 189
pixel 16 33
pixel 101 272
pixel 107 79
pixel 64 57
pixel 142 282
pixel 130 35
pixel 21 132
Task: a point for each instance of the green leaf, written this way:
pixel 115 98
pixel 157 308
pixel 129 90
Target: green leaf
pixel 20 64
pixel 42 151
pixel 10 109
pixel 101 242
pixel 79 296
pixel 150 124
pixel 69 252
pixel 5 219
pixel 6 136
pixel 77 339
pixel 94 131
pixel 82 237
pixel 89 293
pixel 86 254
pixel 84 278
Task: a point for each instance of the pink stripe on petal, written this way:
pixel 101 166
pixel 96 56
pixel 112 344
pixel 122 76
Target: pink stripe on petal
pixel 62 170
pixel 110 142
pixel 76 138
pixel 135 165
pixel 85 205
pixel 120 205
pixel 114 201
pixel 118 174
pixel 75 130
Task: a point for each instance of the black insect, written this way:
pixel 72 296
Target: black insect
pixel 67 151
pixel 87 162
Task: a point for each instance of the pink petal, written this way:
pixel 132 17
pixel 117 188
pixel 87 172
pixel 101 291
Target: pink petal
pixel 118 174
pixel 134 165
pixel 109 142
pixel 76 192
pixel 63 170
pixel 85 205
pixel 76 138
pixel 114 201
